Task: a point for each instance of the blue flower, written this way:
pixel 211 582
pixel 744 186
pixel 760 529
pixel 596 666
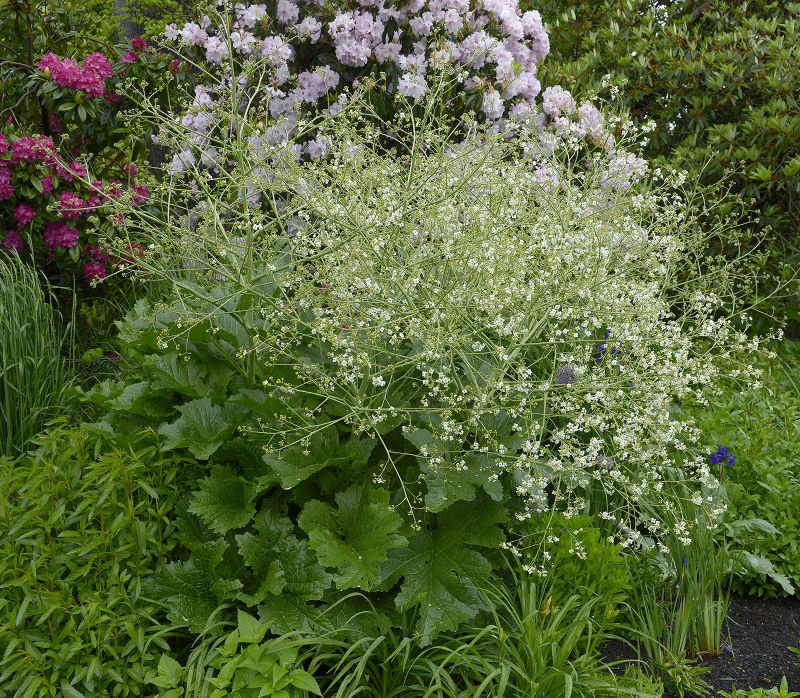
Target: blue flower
pixel 685 560
pixel 603 347
pixel 723 455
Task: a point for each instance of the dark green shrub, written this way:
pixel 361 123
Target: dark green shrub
pixel 720 79
pixel 81 524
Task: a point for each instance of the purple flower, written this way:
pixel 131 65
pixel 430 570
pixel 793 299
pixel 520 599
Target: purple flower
pixel 14 241
pixel 58 235
pixel 722 455
pixel 94 271
pixel 566 375
pixel 24 214
pixel 602 348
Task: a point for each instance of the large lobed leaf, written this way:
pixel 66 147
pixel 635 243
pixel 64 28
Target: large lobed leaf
pixel 355 537
pixel 440 573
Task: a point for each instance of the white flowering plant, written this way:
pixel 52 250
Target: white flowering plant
pixel 410 348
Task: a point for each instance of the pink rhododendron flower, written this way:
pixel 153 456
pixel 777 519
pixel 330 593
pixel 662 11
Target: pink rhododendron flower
pixel 70 206
pixel 58 236
pixel 138 43
pixel 94 271
pixel 23 215
pixel 130 57
pixel 7 190
pixel 89 77
pixel 13 241
pixel 32 149
pixel 3 145
pixel 140 195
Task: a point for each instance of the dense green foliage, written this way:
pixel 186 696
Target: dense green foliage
pixel 765 482
pixel 407 420
pixel 82 522
pixel 721 81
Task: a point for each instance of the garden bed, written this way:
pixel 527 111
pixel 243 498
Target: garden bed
pixel 761 631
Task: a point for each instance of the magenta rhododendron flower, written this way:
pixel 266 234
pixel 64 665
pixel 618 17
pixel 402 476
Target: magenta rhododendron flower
pixel 59 236
pixel 94 271
pixel 89 77
pixel 70 206
pixel 3 145
pixel 33 149
pixel 13 241
pixel 6 188
pixel 130 57
pixel 24 214
pixel 138 43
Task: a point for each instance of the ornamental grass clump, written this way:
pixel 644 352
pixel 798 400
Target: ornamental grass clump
pixel 35 378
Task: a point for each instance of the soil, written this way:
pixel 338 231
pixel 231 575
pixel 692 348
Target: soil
pixel 760 632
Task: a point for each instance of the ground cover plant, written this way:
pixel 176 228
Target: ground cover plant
pixel 427 379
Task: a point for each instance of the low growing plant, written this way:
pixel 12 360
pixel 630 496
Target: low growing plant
pixel 82 522
pixel 781 691
pixel 761 487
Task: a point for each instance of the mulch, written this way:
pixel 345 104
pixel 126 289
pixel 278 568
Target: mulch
pixel 761 631
pixel 757 656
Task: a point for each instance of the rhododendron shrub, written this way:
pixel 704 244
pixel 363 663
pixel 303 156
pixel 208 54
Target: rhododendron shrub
pixel 53 187
pixel 301 63
pixel 51 209
pixel 411 349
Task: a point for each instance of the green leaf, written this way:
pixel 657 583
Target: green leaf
pixel 355 538
pixel 281 563
pixel 69 691
pixel 761 565
pixel 202 428
pixel 441 574
pixel 298 463
pixel 194 589
pixel 304 681
pixel 224 500
pixel 449 482
pixel 173 372
pixel 170 671
pixel 251 629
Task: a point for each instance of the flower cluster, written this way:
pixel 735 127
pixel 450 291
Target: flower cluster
pixel 492 47
pixel 138 44
pixel 41 192
pixel 491 332
pixel 89 77
pixel 722 455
